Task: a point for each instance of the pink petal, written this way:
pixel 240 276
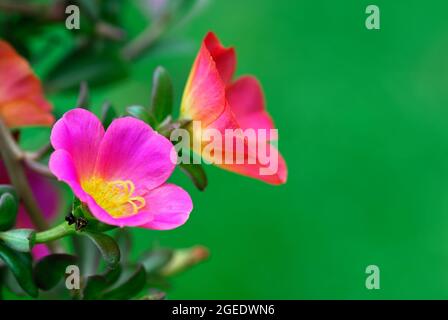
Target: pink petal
pixel 79 132
pixel 62 165
pixel 204 94
pixel 246 100
pixel 225 58
pixel 48 198
pixel 255 163
pixel 44 189
pixel 136 220
pixel 47 193
pixel 131 150
pixel 39 251
pixel 170 206
pixel 253 170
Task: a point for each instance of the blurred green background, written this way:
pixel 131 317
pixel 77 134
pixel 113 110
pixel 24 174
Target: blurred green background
pixel 363 125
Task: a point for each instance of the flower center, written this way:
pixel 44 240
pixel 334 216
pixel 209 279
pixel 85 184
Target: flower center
pixel 116 197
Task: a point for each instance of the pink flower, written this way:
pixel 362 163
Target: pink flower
pixel 121 173
pixel 47 196
pixel 212 97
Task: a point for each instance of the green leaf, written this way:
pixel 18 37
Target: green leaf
pixel 95 287
pixel 97 284
pixel 20 266
pixel 124 241
pixel 196 173
pixel 154 260
pixel 51 269
pixel 107 246
pixel 9 206
pixel 112 275
pixel 183 259
pixel 129 288
pixel 86 64
pixel 141 113
pixel 19 239
pixel 162 95
pixel 108 114
pixel 89 256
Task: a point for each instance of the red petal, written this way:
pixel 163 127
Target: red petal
pixel 225 58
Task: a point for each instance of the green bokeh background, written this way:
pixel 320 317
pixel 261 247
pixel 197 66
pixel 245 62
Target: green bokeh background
pixel 363 125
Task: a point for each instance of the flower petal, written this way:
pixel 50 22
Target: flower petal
pixel 204 95
pixel 225 58
pixel 257 157
pixel 170 206
pixel 46 192
pixel 22 101
pixel 246 100
pixel 22 113
pixel 132 150
pixel 62 165
pixel 276 176
pixel 136 220
pixel 39 251
pixel 79 132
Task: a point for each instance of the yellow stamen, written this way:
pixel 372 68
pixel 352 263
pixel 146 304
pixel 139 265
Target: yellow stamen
pixel 116 197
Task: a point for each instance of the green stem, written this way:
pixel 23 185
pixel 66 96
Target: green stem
pixel 55 233
pixel 146 39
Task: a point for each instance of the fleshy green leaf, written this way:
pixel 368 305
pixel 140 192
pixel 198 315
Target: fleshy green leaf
pixel 9 206
pixel 141 113
pixel 97 284
pixel 112 275
pixel 20 266
pixel 19 239
pixel 89 256
pixel 129 288
pixel 154 260
pixel 183 259
pixel 51 269
pixel 108 114
pixel 162 95
pixel 124 241
pixel 107 246
pixel 196 173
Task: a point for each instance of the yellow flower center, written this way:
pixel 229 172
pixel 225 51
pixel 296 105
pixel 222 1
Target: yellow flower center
pixel 116 197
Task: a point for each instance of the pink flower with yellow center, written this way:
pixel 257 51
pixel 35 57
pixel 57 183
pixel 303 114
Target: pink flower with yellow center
pixel 120 173
pixel 22 102
pixel 212 97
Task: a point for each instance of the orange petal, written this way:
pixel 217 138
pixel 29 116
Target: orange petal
pixel 204 95
pixel 22 113
pixel 22 102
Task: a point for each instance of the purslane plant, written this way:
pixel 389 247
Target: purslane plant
pixel 116 168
